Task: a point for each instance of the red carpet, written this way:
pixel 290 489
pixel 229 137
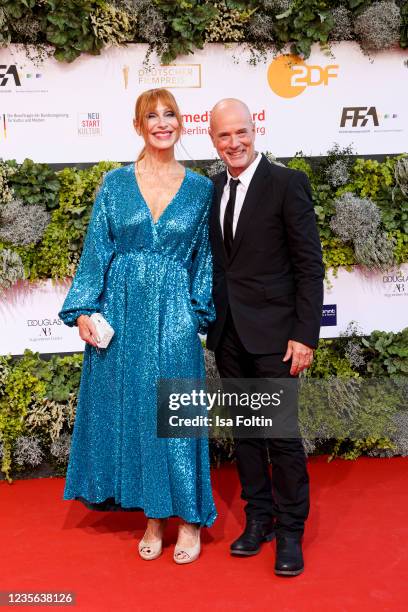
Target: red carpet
pixel 355 547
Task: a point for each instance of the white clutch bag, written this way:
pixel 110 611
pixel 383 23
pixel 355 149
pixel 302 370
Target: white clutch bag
pixel 103 330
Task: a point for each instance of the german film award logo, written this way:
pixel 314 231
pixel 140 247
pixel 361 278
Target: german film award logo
pixel 170 76
pixel 289 75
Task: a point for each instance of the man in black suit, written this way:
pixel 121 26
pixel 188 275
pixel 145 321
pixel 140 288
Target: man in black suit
pixel 268 294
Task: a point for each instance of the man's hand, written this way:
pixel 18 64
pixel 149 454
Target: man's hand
pixel 302 356
pixel 87 330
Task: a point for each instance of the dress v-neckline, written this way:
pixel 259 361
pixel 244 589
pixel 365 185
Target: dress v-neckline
pixel 155 223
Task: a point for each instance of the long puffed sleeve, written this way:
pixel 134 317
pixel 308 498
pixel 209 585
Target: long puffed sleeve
pixel 201 271
pixel 88 283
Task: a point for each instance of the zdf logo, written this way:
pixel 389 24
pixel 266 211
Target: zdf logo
pixel 289 75
pixel 9 71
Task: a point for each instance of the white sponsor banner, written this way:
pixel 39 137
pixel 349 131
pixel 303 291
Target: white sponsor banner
pixel 82 112
pixel 29 311
pixel 374 300
pixel 29 319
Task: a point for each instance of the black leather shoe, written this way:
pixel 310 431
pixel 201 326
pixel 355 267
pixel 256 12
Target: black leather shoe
pixel 289 557
pixel 249 542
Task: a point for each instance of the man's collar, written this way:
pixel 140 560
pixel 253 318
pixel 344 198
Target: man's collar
pixel 246 176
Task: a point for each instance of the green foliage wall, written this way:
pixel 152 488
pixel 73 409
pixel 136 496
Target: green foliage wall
pixel 68 28
pixel 38 402
pixel 38 397
pixel 69 194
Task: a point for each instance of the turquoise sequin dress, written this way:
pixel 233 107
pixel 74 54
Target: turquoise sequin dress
pixel 152 282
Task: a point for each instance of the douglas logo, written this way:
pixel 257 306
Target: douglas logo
pixel 44 327
pixel 395 278
pixel 396 284
pixel 40 323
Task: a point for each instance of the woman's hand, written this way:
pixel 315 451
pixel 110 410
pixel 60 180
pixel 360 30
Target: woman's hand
pixel 87 330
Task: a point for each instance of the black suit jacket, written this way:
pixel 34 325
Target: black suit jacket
pixel 273 279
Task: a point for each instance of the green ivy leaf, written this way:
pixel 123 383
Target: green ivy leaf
pixel 287 13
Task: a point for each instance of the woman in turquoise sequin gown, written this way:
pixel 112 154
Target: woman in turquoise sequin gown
pixel 151 280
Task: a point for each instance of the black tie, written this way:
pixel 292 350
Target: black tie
pixel 229 216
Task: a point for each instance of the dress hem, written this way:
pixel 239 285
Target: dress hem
pixel 109 505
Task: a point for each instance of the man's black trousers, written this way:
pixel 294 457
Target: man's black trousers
pixel 285 496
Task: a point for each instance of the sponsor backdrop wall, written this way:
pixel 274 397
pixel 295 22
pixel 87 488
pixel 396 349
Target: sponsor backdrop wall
pixel 82 112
